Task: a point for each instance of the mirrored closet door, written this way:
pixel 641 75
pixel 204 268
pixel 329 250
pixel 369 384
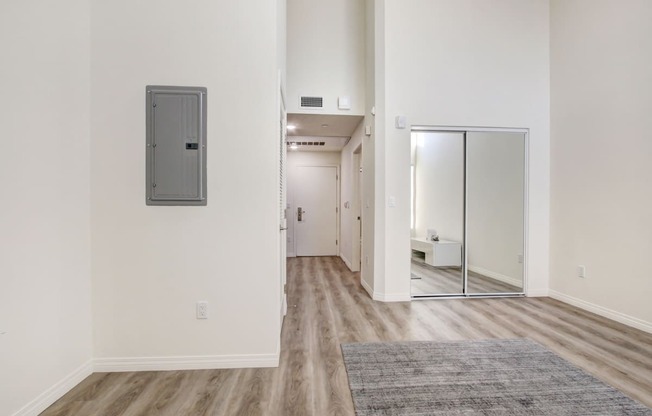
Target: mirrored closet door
pixel 468 212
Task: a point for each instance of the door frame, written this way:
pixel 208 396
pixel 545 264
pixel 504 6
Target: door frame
pixel 282 203
pixel 337 202
pixel 356 198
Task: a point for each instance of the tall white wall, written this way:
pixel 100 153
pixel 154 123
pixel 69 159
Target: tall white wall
pixel 601 153
pixel 294 159
pixel 350 193
pixel 460 63
pixel 45 290
pixel 373 171
pixel 325 52
pixel 151 264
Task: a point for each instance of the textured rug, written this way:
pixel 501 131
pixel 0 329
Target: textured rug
pixel 492 377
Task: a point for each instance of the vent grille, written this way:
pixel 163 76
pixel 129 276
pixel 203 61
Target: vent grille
pixel 306 143
pixel 311 102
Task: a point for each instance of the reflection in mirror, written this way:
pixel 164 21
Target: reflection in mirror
pixel 495 205
pixel 437 168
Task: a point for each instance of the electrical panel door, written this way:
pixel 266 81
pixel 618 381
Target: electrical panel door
pixel 176 145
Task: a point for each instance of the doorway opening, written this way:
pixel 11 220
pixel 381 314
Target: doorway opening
pixel 324 192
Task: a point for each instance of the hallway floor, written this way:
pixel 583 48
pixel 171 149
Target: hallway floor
pixel 328 306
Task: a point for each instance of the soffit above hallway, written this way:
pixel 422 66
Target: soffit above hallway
pixel 316 143
pixel 322 125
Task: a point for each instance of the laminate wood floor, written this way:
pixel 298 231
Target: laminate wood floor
pixel 327 306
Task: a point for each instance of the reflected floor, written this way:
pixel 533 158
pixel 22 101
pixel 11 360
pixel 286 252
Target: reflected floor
pixel 429 280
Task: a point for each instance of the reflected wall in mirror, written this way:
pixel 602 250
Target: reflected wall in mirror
pixel 468 188
pixel 438 207
pixel 495 182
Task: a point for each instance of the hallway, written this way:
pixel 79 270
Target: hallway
pixel 327 306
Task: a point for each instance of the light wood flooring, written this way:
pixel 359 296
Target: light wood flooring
pixel 327 306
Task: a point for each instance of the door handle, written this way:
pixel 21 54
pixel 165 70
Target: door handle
pixel 300 213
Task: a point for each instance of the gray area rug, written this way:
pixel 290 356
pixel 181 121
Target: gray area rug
pixel 491 377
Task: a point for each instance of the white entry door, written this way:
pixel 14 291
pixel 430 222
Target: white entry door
pixel 316 211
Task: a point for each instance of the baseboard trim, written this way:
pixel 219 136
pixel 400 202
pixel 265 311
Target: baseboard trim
pixel 346 261
pixel 209 362
pixel 496 276
pixel 54 393
pixel 366 287
pixel 536 293
pixel 392 297
pixel 602 311
pixel 385 297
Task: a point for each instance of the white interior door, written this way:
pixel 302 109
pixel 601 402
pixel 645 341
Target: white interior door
pixel 316 211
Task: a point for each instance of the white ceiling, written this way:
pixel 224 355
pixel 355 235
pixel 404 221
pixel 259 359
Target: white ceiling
pixel 312 125
pixel 334 131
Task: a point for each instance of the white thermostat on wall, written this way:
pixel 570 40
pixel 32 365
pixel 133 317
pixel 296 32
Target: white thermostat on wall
pixel 344 103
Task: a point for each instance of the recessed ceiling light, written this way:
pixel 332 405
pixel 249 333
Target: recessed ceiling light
pixel 294 146
pixel 291 127
pixel 324 125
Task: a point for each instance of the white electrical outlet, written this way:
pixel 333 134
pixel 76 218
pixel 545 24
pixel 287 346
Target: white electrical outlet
pixel 581 271
pixel 202 309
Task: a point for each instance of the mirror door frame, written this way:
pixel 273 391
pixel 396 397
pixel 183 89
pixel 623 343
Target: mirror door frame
pixel 526 160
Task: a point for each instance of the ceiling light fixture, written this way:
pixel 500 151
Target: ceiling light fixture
pixel 324 125
pixel 294 146
pixel 291 127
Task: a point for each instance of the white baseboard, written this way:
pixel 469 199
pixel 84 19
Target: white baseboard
pixel 386 297
pixel 120 364
pixel 496 276
pixel 346 261
pixel 536 293
pixel 54 393
pixel 366 287
pixel 392 297
pixel 602 311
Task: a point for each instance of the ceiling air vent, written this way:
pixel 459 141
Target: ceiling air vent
pixel 311 102
pixel 306 143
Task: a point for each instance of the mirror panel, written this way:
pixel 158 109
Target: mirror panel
pixel 437 169
pixel 495 192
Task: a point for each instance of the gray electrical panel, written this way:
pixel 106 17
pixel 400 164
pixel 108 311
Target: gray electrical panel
pixel 176 145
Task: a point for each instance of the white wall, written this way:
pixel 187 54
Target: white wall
pixel 495 195
pixel 45 295
pixel 460 63
pixel 151 264
pixel 439 180
pixel 299 158
pixel 349 191
pixel 373 211
pixel 326 53
pixel 601 153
